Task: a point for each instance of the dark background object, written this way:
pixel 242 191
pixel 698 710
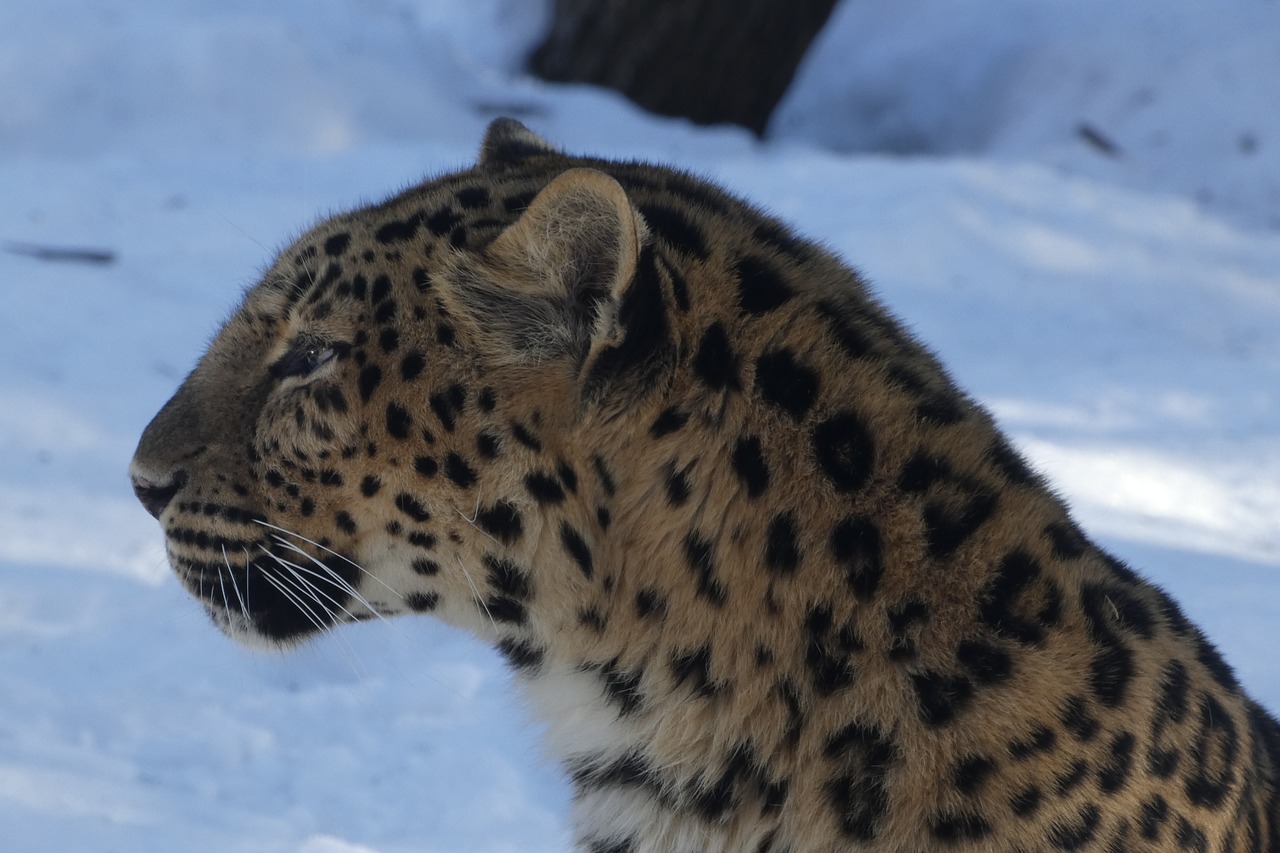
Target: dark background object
pixel 74 254
pixel 712 61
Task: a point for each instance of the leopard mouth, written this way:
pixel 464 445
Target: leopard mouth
pixel 272 591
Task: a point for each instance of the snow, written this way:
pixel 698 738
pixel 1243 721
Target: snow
pixel 1177 95
pixel 1118 314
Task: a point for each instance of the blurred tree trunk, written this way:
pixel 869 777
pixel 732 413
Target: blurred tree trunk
pixel 711 61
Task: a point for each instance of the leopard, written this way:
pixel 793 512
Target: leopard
pixel 767 577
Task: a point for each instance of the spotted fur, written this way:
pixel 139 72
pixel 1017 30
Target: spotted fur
pixel 772 580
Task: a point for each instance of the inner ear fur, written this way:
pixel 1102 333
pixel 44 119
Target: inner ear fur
pixel 550 284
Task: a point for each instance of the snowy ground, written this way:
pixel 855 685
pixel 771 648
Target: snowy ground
pixel 1121 322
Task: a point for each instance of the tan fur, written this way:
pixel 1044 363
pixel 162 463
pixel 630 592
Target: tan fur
pixel 611 354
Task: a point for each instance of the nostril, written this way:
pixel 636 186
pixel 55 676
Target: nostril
pixel 156 496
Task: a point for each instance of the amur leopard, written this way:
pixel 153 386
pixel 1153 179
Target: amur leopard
pixel 771 580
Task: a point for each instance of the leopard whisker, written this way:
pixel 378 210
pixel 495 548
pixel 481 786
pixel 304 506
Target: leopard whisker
pixel 315 593
pixel 226 602
pixel 472 520
pixel 250 237
pixel 248 561
pixel 279 585
pixel 331 576
pixel 338 579
pixel 476 592
pixel 342 583
pixel 235 587
pixel 342 557
pixel 302 587
pixel 304 597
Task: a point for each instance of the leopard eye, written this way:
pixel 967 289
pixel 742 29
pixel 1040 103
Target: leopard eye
pixel 303 360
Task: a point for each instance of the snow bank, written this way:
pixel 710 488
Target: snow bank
pixel 1175 97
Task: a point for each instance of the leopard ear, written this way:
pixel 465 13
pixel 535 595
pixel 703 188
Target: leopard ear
pixel 509 141
pixel 551 284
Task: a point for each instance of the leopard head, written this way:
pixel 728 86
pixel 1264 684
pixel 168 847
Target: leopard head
pixel 375 428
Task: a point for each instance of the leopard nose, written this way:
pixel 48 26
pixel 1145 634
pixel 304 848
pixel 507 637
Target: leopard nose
pixel 155 496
